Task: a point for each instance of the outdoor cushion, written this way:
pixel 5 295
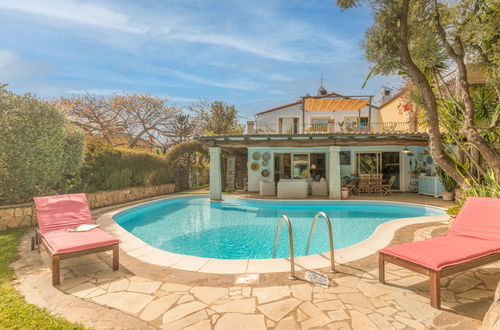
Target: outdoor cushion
pixel 62 212
pixel 479 217
pixel 437 253
pixel 65 241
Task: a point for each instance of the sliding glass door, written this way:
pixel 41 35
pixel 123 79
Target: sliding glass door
pixel 385 163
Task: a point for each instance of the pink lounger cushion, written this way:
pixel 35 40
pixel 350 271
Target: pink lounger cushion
pixel 62 212
pixel 475 234
pixel 437 253
pixel 67 241
pixel 58 214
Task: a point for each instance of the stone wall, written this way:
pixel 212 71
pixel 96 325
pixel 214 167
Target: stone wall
pixel 21 215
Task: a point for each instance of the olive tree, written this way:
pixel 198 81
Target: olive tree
pixel 421 38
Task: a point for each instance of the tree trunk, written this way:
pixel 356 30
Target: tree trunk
pixel 490 154
pixel 419 79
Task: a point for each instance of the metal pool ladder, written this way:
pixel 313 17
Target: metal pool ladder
pixel 290 242
pixel 330 236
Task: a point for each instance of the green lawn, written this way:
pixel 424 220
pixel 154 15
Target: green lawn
pixel 15 312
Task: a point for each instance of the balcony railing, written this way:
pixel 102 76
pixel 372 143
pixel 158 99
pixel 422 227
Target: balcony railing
pixel 263 128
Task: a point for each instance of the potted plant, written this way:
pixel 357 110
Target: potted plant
pixel 344 192
pixel 449 184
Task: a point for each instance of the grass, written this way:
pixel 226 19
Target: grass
pixel 15 312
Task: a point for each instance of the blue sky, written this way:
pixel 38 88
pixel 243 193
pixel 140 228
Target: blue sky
pixel 254 54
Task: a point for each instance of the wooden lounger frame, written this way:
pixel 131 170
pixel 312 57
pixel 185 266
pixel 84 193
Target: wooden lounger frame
pixel 56 258
pixel 434 276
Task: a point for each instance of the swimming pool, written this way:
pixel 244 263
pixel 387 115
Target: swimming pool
pixel 239 228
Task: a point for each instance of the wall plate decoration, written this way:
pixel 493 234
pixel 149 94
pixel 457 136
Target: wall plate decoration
pixel 265 173
pixel 256 155
pixel 254 166
pixel 429 160
pixel 266 156
pixel 264 162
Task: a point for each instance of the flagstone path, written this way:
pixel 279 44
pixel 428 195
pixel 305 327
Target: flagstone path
pixel 142 296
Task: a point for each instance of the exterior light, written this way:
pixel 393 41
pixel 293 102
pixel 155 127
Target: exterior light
pixel 406 150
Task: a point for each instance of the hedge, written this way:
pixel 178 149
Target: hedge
pixel 40 150
pixel 107 168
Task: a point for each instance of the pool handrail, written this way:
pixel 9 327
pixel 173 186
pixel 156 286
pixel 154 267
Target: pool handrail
pixel 290 243
pixel 330 237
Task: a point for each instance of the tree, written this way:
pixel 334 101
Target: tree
pixel 181 128
pixel 145 117
pixel 419 39
pixel 132 120
pixel 217 118
pixel 41 152
pixel 187 158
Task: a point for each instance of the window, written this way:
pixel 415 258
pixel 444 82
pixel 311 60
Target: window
pixel 288 125
pixel 300 166
pixel 319 124
pixel 387 93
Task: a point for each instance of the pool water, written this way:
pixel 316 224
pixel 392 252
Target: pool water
pixel 245 229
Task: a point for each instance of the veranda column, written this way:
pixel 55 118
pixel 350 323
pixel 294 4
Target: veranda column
pixel 231 173
pixel 215 174
pixel 334 172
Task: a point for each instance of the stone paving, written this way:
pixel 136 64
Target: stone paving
pixel 142 296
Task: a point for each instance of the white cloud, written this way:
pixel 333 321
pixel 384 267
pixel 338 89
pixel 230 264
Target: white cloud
pixel 79 12
pixel 14 68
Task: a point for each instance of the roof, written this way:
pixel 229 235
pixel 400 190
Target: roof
pixel 334 104
pixel 395 96
pixel 315 98
pixel 314 139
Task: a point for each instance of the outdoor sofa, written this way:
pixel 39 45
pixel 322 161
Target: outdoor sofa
pixel 472 241
pixel 292 188
pixel 57 217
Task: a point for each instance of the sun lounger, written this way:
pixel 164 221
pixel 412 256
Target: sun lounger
pixel 57 217
pixel 472 241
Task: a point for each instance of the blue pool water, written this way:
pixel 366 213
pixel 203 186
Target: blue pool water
pixel 244 229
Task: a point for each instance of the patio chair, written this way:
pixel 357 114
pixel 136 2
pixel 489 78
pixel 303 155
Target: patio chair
pixel 472 241
pixel 364 183
pixel 386 188
pixel 57 215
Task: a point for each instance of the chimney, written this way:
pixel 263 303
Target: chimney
pixel 385 94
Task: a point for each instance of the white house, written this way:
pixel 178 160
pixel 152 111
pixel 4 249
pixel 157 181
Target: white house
pixel 315 145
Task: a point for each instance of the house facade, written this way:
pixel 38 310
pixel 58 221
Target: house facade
pixel 316 145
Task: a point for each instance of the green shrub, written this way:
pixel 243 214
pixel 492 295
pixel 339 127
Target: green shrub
pixel 108 168
pixel 40 151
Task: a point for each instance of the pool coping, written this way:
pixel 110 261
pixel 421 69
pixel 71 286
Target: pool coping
pixel 380 238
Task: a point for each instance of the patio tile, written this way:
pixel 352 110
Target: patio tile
pixel 180 311
pixel 356 299
pixel 309 308
pixel 129 302
pixel 186 298
pixel 158 307
pixel 361 321
pixel 82 290
pixel 144 286
pixel 209 294
pixel 330 305
pixel 190 263
pixel 118 285
pixel 277 310
pixel 270 293
pixel 220 266
pixel 186 321
pixel 202 325
pixel 172 287
pixel 237 306
pixel 269 265
pixel 288 323
pixel 302 291
pixel 316 321
pixel 232 321
pixel 381 322
pixel 338 315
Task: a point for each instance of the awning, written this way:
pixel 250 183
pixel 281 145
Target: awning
pixel 334 104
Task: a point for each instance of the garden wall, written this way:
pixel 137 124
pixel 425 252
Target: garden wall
pixel 20 215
